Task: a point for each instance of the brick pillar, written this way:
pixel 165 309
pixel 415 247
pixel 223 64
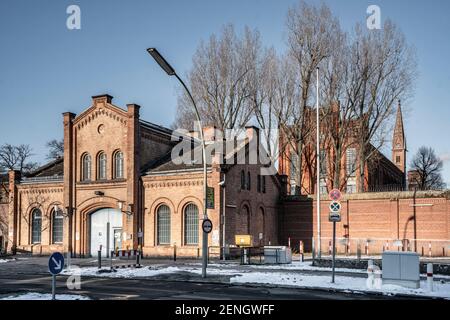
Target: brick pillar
pixel 14 179
pixel 68 179
pixel 133 168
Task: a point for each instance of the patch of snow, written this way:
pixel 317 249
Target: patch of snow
pixel 45 296
pixel 342 283
pixel 121 273
pixel 4 260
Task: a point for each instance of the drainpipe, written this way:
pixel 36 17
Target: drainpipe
pixel 222 184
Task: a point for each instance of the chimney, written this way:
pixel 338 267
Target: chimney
pixel 102 99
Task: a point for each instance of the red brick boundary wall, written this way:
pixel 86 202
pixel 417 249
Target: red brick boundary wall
pixel 374 220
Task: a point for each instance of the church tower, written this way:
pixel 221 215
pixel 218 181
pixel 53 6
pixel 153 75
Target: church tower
pixel 399 142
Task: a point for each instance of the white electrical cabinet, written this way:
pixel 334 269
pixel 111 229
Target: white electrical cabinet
pixel 401 268
pixel 277 254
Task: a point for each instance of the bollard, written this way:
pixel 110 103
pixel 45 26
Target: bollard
pixel 99 255
pixel 289 242
pixel 138 256
pixel 245 256
pixel 370 273
pixel 174 252
pixel 367 248
pixel 429 249
pixel 358 251
pixel 348 247
pixel 313 249
pixel 430 277
pixel 329 247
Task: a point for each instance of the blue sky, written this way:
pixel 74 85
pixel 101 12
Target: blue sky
pixel 46 69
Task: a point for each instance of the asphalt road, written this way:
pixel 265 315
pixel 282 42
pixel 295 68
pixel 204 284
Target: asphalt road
pixel 30 274
pixel 124 289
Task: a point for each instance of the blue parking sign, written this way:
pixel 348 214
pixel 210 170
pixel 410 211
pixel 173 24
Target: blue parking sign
pixel 56 263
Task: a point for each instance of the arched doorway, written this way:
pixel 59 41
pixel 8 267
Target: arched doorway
pixel 106 230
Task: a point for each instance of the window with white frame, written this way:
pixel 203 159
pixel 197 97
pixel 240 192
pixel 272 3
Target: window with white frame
pixel 57 226
pixel 191 224
pixel 36 226
pixel 163 225
pixel 101 168
pixel 118 165
pixel 86 167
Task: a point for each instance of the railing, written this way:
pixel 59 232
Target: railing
pixel 366 247
pixel 42 179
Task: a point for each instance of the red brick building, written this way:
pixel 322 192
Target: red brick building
pixel 381 173
pixel 117 186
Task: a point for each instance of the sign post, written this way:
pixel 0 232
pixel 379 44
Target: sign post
pixel 55 266
pixel 335 216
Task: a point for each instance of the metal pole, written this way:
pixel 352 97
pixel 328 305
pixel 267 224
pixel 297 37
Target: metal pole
pixel 205 181
pixel 319 251
pixel 223 217
pixel 334 251
pixel 53 287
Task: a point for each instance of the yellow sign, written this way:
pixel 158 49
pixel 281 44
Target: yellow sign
pixel 243 240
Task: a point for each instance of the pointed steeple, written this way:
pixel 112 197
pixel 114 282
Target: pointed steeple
pixel 399 141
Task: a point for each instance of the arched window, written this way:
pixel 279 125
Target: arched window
pixel 57 226
pixel 118 165
pixel 101 166
pixel 36 226
pixel 163 224
pixel 249 182
pixel 242 180
pixel 191 224
pixel 86 167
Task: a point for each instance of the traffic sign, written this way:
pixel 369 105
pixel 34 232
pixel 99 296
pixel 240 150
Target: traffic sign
pixel 335 195
pixel 56 263
pixel 207 226
pixel 334 217
pixel 335 206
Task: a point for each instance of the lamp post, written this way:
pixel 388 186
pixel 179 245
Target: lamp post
pixel 171 72
pixel 319 244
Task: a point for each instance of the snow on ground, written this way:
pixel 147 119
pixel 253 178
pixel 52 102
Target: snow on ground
pixel 122 273
pixel 45 296
pixel 342 283
pixel 4 260
pixel 284 277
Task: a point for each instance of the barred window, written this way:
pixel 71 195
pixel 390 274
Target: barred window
pixel 118 165
pixel 86 167
pixel 57 226
pixel 242 180
pixel 323 163
pixel 101 166
pixel 163 224
pixel 191 224
pixel 351 162
pixel 36 226
pixel 263 184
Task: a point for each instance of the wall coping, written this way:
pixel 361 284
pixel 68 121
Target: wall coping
pixel 392 195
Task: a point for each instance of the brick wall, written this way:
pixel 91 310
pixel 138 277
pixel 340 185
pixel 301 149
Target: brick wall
pixel 376 218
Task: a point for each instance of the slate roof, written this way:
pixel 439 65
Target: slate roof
pixel 51 169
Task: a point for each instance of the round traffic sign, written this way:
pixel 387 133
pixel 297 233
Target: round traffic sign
pixel 335 195
pixel 56 263
pixel 335 206
pixel 207 226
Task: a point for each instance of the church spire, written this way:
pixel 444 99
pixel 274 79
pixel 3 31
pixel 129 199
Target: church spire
pixel 399 141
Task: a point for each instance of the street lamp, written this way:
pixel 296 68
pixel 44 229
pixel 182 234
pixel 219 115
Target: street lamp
pixel 171 72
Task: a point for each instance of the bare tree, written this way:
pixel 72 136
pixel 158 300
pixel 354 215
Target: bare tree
pixel 56 149
pixel 428 169
pixel 16 158
pixel 313 35
pixel 383 69
pixel 220 80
